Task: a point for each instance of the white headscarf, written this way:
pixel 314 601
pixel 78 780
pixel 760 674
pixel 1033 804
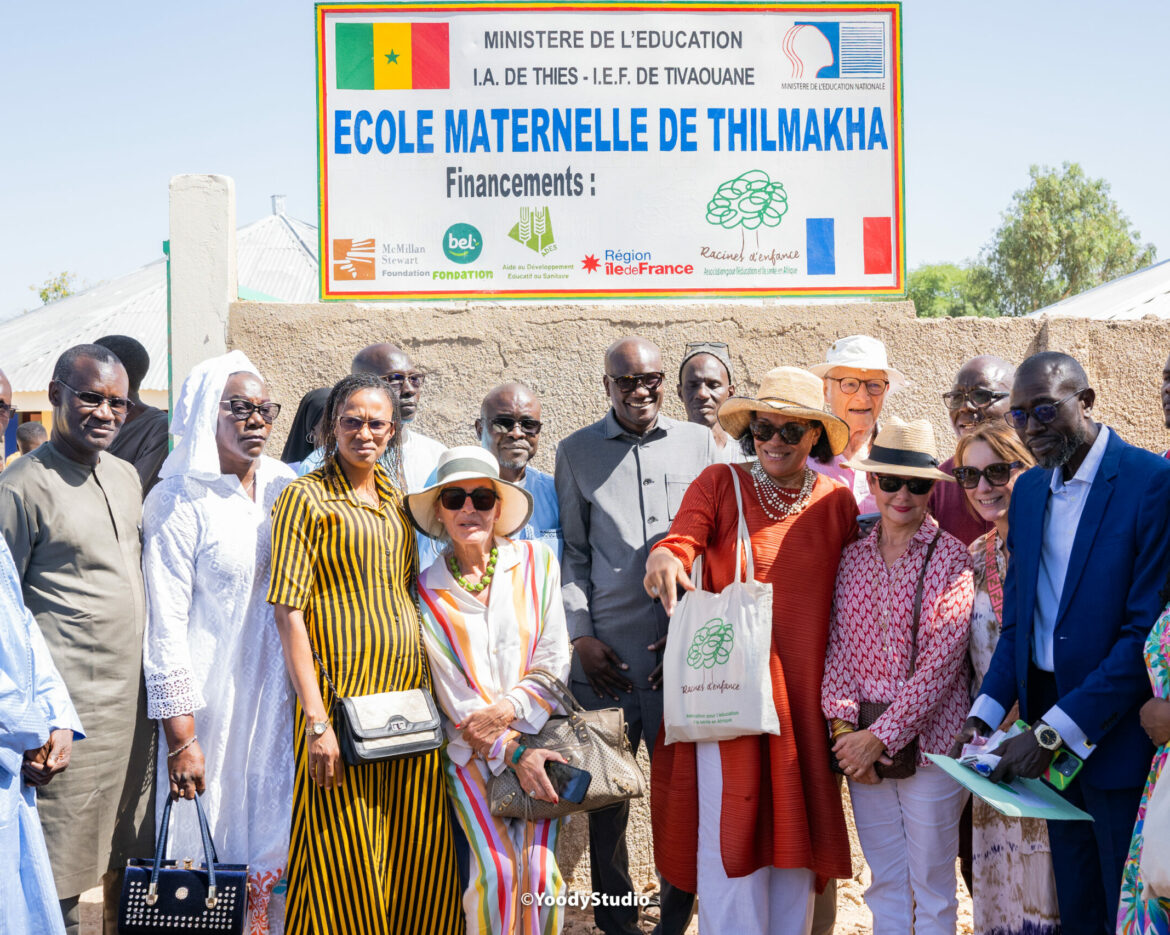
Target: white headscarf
pixel 196 415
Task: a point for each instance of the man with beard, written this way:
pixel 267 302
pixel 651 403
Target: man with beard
pixel 619 482
pixel 509 427
pixel 71 514
pixel 1089 544
pixel 704 382
pixel 980 394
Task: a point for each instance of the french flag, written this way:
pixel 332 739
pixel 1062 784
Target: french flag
pixel 821 246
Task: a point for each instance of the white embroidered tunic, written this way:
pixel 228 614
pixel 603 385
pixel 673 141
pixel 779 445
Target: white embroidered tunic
pixel 212 650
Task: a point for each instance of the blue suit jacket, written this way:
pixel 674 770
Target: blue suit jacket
pixel 1119 563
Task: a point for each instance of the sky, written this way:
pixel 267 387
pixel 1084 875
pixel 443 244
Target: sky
pixel 105 102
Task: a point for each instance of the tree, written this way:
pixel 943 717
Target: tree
pixel 1061 235
pixel 943 290
pixel 56 287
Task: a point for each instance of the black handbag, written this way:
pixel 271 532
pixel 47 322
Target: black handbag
pixel 386 725
pixel 168 896
pixel 905 760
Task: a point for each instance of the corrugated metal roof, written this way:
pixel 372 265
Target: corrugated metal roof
pixel 276 256
pixel 1127 298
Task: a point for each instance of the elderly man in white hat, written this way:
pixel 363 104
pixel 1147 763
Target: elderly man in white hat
pixel 858 378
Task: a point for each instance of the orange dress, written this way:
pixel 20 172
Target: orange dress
pixel 781 803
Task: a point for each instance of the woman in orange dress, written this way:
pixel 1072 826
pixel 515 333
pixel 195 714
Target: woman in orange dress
pixel 754 825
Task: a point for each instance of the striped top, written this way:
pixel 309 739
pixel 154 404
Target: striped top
pixel 478 654
pixel 349 567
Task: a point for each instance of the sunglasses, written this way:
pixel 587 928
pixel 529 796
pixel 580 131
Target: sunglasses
pixel 918 486
pixel 397 378
pixel 351 425
pixel 790 432
pixel 850 385
pixel 1044 413
pixel 632 381
pixel 978 398
pixel 997 474
pixel 504 425
pixel 7 410
pixel 482 498
pixel 242 409
pixel 94 400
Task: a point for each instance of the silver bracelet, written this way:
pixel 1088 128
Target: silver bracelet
pixel 175 753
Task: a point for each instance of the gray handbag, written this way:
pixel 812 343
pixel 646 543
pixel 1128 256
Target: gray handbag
pixel 594 741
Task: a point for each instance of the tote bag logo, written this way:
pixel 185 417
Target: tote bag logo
pixel 712 645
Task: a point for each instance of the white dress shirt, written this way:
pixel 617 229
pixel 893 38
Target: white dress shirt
pixel 1062 516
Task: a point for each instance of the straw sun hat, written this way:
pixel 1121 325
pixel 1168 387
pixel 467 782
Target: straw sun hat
pixel 469 462
pixel 905 449
pixel 787 391
pixel 859 352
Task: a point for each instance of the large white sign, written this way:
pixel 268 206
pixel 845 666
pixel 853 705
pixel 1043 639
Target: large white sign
pixel 642 150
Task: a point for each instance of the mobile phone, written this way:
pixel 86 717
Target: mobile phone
pixel 569 782
pixel 1062 770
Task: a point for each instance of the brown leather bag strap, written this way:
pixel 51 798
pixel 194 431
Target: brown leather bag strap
pixel 918 601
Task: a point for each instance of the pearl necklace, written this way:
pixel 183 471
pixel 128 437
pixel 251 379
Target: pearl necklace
pixel 453 564
pixel 771 496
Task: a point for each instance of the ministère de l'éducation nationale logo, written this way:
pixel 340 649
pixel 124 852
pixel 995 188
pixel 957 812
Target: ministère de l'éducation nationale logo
pixel 462 243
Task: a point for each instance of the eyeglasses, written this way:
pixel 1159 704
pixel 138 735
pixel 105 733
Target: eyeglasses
pixel 850 385
pixel 979 398
pixel 790 432
pixel 482 498
pixel 504 425
pixel 242 409
pixel 1044 413
pixel 397 378
pixel 918 486
pixel 632 381
pixel 6 410
pixel 351 425
pixel 92 400
pixel 997 474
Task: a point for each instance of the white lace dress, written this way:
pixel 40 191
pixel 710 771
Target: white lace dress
pixel 212 650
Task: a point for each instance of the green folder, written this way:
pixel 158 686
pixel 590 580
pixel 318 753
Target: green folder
pixel 1020 798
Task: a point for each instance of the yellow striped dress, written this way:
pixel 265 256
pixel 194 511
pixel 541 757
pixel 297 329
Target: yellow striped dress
pixel 374 857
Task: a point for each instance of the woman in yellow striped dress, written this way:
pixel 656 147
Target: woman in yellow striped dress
pixel 371 850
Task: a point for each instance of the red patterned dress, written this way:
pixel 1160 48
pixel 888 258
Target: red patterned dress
pixel 869 641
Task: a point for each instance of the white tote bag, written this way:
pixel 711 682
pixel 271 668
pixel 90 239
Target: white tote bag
pixel 1154 865
pixel 716 681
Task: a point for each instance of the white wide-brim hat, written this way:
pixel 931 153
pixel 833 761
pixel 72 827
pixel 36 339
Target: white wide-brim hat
pixel 469 462
pixel 787 391
pixel 859 352
pixel 903 449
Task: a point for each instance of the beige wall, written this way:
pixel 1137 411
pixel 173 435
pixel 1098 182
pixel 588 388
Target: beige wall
pixel 558 351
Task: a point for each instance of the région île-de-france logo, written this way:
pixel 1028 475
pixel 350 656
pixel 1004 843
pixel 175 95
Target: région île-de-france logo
pixel 590 263
pixel 712 645
pixel 353 259
pixel 462 243
pixel 392 56
pixel 534 230
pixel 836 50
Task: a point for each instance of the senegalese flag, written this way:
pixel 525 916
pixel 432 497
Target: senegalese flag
pixel 392 56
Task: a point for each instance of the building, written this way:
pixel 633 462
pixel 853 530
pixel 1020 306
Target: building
pixel 277 262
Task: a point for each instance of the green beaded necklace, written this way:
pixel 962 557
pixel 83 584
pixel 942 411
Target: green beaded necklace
pixel 487 573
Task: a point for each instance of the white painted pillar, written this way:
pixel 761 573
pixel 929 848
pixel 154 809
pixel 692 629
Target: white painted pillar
pixel 203 269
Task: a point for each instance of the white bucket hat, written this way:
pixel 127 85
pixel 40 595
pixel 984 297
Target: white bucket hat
pixel 469 462
pixel 861 352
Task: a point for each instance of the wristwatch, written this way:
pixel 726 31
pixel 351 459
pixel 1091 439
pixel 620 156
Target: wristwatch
pixel 1047 737
pixel 317 728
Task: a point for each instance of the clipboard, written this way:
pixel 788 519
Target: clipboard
pixel 1021 798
